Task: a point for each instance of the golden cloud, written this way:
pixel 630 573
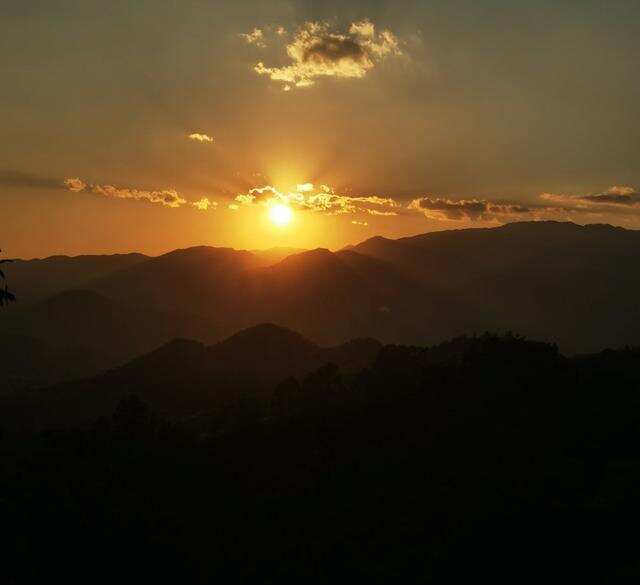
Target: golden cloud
pixel 255 37
pixel 316 51
pixel 74 184
pixel 204 204
pixel 378 212
pixel 321 200
pixel 200 137
pixel 167 197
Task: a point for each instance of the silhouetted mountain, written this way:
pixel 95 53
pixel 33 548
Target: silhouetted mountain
pixel 490 448
pixel 275 255
pixel 40 278
pixel 264 350
pixel 557 281
pixel 191 280
pixel 27 362
pixel 87 319
pixel 184 377
pixel 551 280
pixel 331 297
pixel 107 332
pixel 328 297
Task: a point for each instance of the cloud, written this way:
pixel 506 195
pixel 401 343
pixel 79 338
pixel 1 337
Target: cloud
pixel 616 196
pixel 200 137
pixel 321 200
pixel 616 190
pixel 260 195
pixel 616 204
pixel 255 37
pixel 444 209
pixel 74 184
pixel 204 204
pixel 363 29
pixel 378 212
pixel 166 197
pixel 316 51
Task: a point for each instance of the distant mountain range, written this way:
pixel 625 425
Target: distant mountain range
pixel 575 285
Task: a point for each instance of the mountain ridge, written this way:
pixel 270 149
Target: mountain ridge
pixel 548 280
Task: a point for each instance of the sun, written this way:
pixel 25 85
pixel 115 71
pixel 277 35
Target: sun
pixel 280 214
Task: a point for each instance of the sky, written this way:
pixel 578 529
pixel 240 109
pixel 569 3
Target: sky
pixel 149 126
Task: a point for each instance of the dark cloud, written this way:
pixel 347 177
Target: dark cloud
pixel 333 48
pixel 627 196
pixel 613 196
pixel 467 209
pixel 317 51
pixel 10 178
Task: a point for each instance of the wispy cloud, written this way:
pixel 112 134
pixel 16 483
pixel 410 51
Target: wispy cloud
pixel 618 203
pixel 445 209
pixel 378 212
pixel 317 51
pixel 166 197
pixel 200 137
pixel 616 196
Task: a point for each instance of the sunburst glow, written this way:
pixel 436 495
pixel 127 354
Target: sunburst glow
pixel 280 214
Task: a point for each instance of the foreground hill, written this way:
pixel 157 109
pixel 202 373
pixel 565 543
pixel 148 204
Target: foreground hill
pixel 80 333
pixel 492 449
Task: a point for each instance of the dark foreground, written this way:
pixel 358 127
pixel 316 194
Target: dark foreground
pixel 488 459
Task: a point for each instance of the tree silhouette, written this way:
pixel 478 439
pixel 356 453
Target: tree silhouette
pixel 132 417
pixel 5 296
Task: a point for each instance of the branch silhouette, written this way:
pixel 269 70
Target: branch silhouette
pixel 6 296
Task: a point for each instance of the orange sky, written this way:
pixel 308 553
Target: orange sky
pixel 454 114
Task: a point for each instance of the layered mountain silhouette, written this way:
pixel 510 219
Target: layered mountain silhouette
pixel 549 280
pixel 198 463
pixel 574 285
pixel 42 277
pixel 183 377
